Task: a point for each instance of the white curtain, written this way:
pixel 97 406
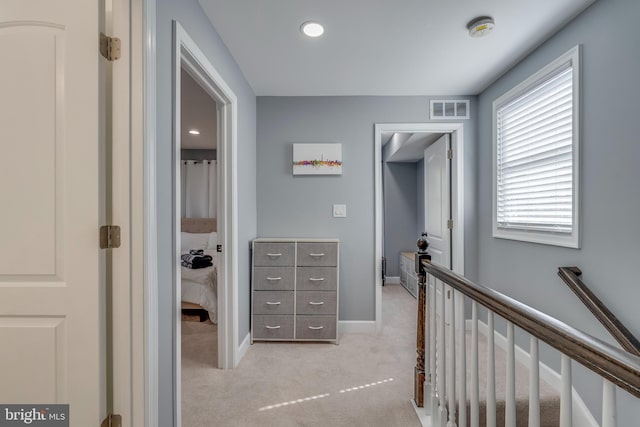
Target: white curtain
pixel 198 188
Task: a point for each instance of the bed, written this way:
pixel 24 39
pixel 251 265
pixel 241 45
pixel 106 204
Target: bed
pixel 199 286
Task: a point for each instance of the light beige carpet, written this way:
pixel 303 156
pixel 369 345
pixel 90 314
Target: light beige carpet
pixel 366 380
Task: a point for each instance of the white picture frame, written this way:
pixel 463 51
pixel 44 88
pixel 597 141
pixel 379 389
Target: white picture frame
pixel 317 159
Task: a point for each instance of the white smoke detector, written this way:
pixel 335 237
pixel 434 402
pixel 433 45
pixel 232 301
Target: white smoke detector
pixel 481 26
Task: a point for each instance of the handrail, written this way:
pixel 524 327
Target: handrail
pixel 571 276
pixel 616 365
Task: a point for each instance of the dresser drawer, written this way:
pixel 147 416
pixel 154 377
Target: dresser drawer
pixel 268 254
pixel 315 327
pixel 318 254
pixel 316 278
pixel 308 302
pixel 273 278
pixel 273 327
pixel 273 302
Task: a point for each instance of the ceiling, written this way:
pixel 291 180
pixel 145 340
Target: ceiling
pixel 408 147
pixel 381 47
pixel 197 111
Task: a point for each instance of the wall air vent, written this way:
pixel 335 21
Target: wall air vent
pixel 449 109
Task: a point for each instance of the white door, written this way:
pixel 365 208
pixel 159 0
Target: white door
pixel 437 185
pixel 52 339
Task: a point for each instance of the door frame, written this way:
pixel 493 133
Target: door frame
pixel 188 56
pixel 134 318
pixel 141 365
pixel 457 196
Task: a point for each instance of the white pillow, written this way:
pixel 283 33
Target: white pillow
pixel 213 240
pixel 190 241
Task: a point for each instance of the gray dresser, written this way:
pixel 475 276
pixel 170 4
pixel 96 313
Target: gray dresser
pixel 294 290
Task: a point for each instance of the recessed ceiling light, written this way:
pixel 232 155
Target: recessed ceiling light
pixel 481 26
pixel 312 29
pixel 194 132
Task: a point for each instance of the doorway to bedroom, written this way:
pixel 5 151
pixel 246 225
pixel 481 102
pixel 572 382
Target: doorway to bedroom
pixel 198 176
pixel 220 232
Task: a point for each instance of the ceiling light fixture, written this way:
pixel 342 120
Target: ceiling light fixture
pixel 312 29
pixel 481 26
pixel 194 132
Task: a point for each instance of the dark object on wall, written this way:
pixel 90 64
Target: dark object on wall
pixel 384 269
pixel 196 154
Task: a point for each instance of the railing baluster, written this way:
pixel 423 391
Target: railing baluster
pixel 432 338
pixel 618 368
pixel 462 338
pixel 427 344
pixel 475 372
pixel 608 404
pixel 491 373
pixel 566 417
pixel 451 386
pixel 534 384
pixel 442 361
pixel 510 404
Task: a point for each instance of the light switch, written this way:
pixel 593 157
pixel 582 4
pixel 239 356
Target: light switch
pixel 339 211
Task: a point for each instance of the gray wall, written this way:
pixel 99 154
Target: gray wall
pixel 192 18
pixel 610 152
pixel 400 212
pixel 301 205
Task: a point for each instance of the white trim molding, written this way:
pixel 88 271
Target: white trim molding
pixel 187 56
pixel 457 196
pixel 243 347
pixel 539 233
pixel 392 280
pixel 145 12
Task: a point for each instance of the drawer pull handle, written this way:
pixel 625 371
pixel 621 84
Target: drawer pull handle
pixel 316 255
pixel 315 328
pixel 273 255
pixel 273 303
pixel 272 327
pixel 274 278
pixel 316 279
pixel 316 303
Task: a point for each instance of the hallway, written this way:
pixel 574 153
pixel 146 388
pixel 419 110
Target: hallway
pixel 366 380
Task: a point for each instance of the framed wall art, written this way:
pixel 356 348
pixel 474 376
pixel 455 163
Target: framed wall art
pixel 317 159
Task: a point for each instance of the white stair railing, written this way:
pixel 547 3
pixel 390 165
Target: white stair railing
pixel 442 343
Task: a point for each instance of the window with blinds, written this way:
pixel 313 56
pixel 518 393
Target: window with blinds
pixel 535 155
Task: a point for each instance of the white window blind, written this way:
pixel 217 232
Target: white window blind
pixel 536 145
pixel 534 149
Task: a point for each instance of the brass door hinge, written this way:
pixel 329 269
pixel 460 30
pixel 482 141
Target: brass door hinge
pixel 109 236
pixel 112 420
pixel 109 47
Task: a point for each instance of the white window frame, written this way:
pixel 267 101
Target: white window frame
pixel 571 240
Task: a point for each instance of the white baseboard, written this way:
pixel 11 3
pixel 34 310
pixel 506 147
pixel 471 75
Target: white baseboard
pixel 242 349
pixel 582 416
pixel 392 280
pixel 357 326
pixel 423 415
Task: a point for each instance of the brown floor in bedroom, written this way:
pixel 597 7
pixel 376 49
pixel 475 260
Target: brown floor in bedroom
pixel 366 380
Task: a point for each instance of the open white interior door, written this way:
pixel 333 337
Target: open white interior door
pixel 51 267
pixel 437 185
